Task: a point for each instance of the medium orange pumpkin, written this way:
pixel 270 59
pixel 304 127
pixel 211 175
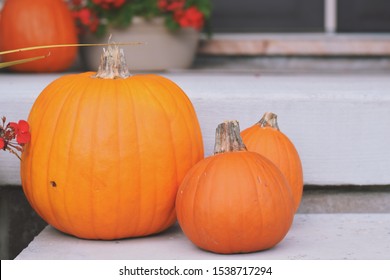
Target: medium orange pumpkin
pixel 27 23
pixel 266 139
pixel 108 152
pixel 235 201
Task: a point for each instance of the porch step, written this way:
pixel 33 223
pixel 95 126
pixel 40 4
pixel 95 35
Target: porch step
pixel 338 123
pixel 345 199
pixel 312 236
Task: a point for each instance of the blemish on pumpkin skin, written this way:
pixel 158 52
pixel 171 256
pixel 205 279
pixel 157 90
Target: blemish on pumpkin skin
pixel 53 184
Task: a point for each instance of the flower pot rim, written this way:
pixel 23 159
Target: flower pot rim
pixel 153 20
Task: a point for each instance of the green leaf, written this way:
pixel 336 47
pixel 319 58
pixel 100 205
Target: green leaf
pixel 171 24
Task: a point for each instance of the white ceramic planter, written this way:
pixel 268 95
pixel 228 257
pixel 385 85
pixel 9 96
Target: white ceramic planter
pixel 161 49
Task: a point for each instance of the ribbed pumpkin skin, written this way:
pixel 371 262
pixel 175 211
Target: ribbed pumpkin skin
pixel 235 202
pixel 107 156
pixel 277 147
pixel 28 23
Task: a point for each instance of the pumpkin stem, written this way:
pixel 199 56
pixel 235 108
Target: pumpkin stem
pixel 112 64
pixel 228 138
pixel 269 119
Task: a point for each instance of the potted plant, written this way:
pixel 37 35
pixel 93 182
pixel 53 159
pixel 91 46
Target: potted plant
pixel 168 30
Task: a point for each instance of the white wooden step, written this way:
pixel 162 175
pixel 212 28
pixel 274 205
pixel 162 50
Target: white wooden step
pixel 340 124
pixel 311 237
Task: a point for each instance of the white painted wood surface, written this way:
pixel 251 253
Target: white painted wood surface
pixel 298 44
pixel 339 124
pixel 311 237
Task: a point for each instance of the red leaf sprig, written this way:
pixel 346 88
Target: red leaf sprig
pixel 14 136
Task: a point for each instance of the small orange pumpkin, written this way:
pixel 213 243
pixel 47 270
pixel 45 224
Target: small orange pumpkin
pixel 266 139
pixel 108 151
pixel 235 201
pixel 27 23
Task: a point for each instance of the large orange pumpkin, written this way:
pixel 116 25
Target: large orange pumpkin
pixel 235 201
pixel 108 152
pixel 28 23
pixel 266 139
